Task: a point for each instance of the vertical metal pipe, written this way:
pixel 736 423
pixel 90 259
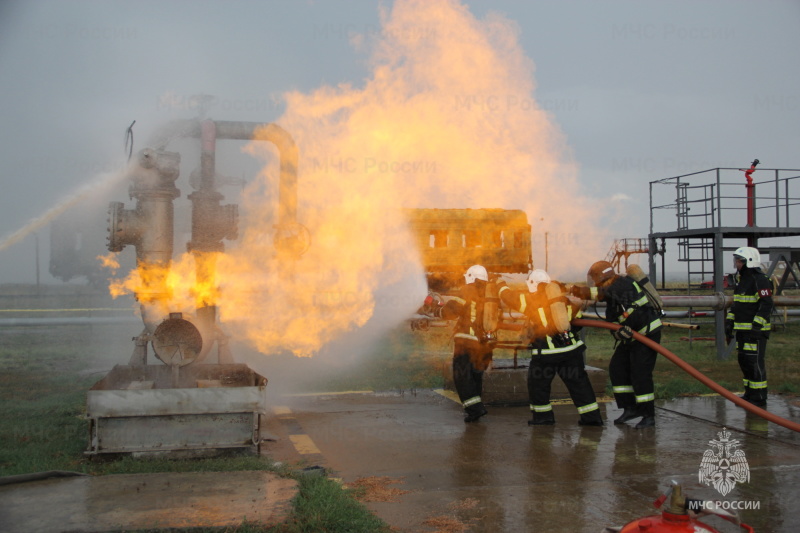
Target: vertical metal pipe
pixel 750 188
pixel 208 147
pixel 36 241
pixel 719 199
pixel 205 241
pixel 149 227
pixel 777 202
pixel 719 314
pixel 651 207
pixel 787 200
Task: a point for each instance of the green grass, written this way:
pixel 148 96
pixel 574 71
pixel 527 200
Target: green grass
pixel 322 505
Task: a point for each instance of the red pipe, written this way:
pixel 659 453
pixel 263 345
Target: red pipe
pixel 750 187
pixel 692 371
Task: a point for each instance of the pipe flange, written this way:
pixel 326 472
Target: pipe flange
pixel 178 342
pixel 292 239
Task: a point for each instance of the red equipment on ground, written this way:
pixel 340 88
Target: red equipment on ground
pixel 679 516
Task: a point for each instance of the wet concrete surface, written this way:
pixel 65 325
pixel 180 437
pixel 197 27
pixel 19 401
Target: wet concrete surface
pixel 140 501
pixel 495 475
pixel 499 474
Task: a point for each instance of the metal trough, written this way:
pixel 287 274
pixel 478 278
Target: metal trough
pixel 157 408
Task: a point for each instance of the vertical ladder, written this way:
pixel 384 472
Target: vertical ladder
pixel 696 252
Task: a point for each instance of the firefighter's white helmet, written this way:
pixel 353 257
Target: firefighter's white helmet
pixel 476 272
pixel 535 278
pixel 749 255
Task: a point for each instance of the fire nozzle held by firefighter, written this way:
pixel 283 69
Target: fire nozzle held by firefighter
pixel 432 306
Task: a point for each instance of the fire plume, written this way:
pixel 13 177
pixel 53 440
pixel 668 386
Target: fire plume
pixel 448 118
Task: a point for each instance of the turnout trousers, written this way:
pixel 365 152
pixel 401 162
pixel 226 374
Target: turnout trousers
pixel 752 361
pixel 569 366
pixel 469 362
pixel 631 373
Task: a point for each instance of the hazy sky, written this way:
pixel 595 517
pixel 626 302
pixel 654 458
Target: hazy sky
pixel 640 90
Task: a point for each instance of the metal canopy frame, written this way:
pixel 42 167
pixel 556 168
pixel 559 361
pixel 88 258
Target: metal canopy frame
pixel 713 207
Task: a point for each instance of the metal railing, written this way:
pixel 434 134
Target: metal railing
pixel 717 198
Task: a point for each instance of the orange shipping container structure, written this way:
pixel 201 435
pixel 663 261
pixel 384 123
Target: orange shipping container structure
pixel 451 240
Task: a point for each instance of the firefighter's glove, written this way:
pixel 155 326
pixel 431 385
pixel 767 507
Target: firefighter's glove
pixel 432 307
pixel 623 334
pixel 575 290
pixel 729 329
pixel 561 340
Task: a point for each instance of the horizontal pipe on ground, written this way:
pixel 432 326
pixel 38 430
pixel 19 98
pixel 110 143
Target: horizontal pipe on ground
pixel 70 321
pixel 717 301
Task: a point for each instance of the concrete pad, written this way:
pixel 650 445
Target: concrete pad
pixel 505 383
pixel 141 501
pixel 499 474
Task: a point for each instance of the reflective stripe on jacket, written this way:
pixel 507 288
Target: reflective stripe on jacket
pixel 627 304
pixel 468 309
pixel 536 309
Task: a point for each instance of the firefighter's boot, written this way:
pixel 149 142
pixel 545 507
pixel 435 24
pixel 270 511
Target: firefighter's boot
pixel 758 402
pixel 648 412
pixel 542 419
pixel 646 422
pixel 629 413
pixel 474 412
pixel 755 397
pixel 591 419
pixel 746 395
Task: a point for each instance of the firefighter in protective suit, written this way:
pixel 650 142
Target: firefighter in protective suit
pixel 553 352
pixel 748 319
pixel 473 347
pixel 631 366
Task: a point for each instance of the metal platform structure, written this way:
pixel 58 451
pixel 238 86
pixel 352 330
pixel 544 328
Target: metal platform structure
pixel 718 210
pixel 623 249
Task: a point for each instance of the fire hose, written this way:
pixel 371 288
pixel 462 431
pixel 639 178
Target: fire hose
pixel 692 371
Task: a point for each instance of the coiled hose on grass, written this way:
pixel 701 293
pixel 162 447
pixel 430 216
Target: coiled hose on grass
pixel 692 371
